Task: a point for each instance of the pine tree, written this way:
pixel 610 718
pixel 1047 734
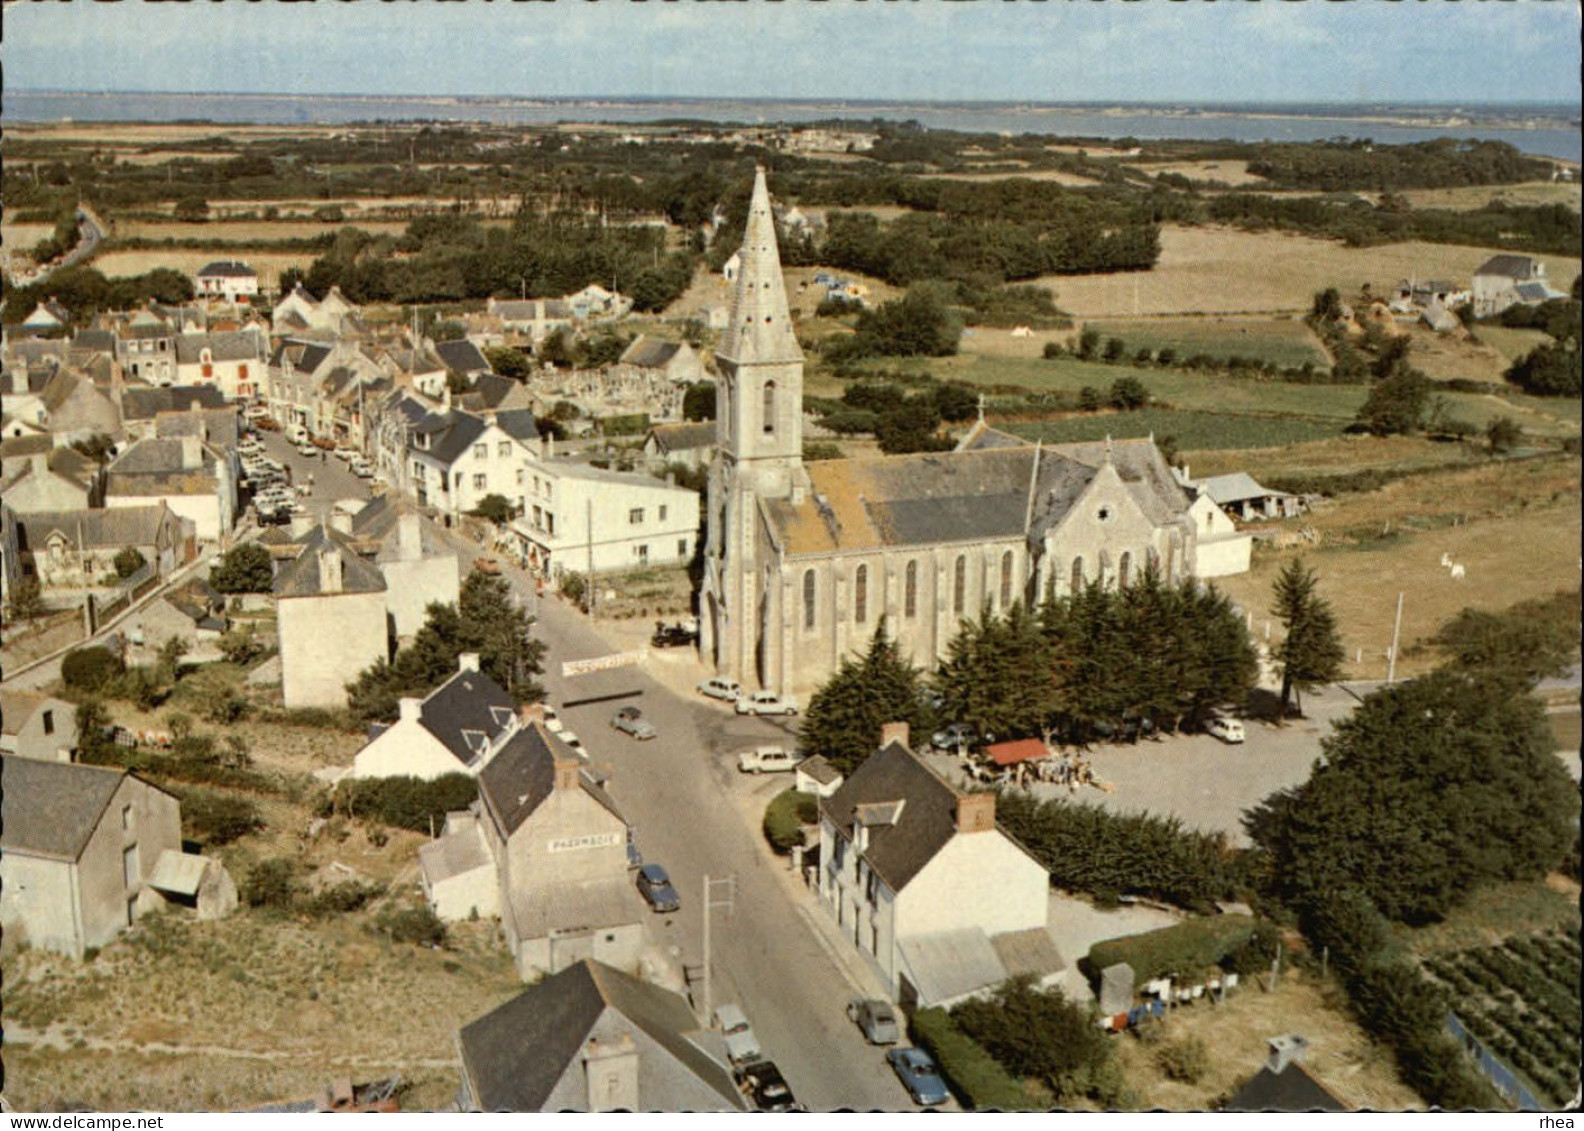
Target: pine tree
pixel 1312 653
pixel 845 715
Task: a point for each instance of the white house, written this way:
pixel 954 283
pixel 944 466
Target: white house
pixel 457 728
pixel 192 478
pixel 235 361
pixel 940 902
pixel 1223 549
pixel 229 280
pixel 420 568
pixel 37 726
pixel 576 517
pixel 330 610
pixel 1507 280
pixel 456 459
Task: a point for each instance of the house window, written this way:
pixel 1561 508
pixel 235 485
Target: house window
pixel 549 489
pixel 503 449
pixel 549 523
pixel 874 937
pixel 808 598
pixel 663 514
pixel 910 591
pixel 242 372
pixel 458 479
pixel 538 518
pixel 1077 574
pixel 1124 568
pixel 861 594
pixel 49 722
pixel 129 867
pixel 959 584
pixel 479 482
pixel 682 550
pixel 769 405
pixel 1006 579
pixel 481 451
pixel 208 371
pixel 520 475
pixel 635 516
pixel 126 818
pixel 641 553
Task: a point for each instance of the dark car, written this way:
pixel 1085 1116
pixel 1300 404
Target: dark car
pixel 918 1075
pixel 672 636
pixel 274 517
pixel 655 886
pixel 766 1088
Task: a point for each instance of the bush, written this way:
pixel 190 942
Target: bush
pixel 224 707
pixel 417 925
pixel 1052 351
pixel 214 818
pixel 91 669
pixel 128 561
pixel 244 569
pixel 1184 951
pixel 972 1073
pixel 270 884
pixel 340 899
pixel 1185 1061
pixel 403 802
pixel 1040 1034
pixel 785 817
pixel 496 508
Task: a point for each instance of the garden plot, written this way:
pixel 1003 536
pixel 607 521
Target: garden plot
pixel 1287 343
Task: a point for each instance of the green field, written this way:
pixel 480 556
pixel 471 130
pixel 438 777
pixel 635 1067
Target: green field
pixel 1510 343
pixel 1193 431
pixel 1286 343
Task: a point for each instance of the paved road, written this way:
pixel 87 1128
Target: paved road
pixel 332 478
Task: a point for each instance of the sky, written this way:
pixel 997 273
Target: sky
pixel 955 50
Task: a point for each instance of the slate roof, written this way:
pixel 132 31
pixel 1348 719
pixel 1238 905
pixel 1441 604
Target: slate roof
pixel 144 402
pixel 231 345
pixel 1292 1089
pixel 945 965
pixel 520 424
pixel 217 426
pixel 100 341
pixel 468 701
pixel 1521 267
pixel 52 808
pixel 520 777
pixel 228 269
pixel 684 437
pixel 1236 487
pixel 515 1054
pixel 61 386
pixel 300 578
pixel 451 434
pixel 897 852
pixel 819 768
pixel 488 391
pixel 98 528
pixel 461 355
pixel 161 455
pixel 68 463
pixel 650 353
pixel 20 447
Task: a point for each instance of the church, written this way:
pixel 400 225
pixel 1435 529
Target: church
pixel 802 560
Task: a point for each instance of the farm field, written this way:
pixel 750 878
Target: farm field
pixel 1360 1072
pixel 1520 999
pixel 269 264
pixel 22 237
pixel 1477 196
pixel 1060 177
pixel 1517 534
pixel 1511 343
pixel 1333 456
pixel 1448 357
pixel 1191 430
pixel 1233 173
pixel 1227 271
pixel 241 231
pixel 1285 343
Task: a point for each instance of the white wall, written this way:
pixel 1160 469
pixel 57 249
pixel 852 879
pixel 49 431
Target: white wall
pixel 411 586
pixel 325 642
pixel 405 750
pixel 977 880
pixel 205 512
pixel 572 503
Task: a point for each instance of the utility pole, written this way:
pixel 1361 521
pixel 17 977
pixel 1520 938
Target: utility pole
pixel 731 895
pixel 1391 657
pixel 593 590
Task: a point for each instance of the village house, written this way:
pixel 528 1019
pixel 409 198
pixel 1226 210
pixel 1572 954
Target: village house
pixel 39 476
pixel 229 280
pixel 300 314
pixel 233 361
pixel 75 407
pixel 677 362
pixel 903 859
pixel 491 391
pixel 419 566
pixel 220 428
pixel 1241 497
pixel 462 356
pixel 141 405
pixel 531 319
pixel 146 348
pixel 455 729
pixel 195 479
pixel 593 1038
pixel 1507 280
pixel 692 444
pixel 455 460
pixel 555 846
pixel 577 518
pixel 192 613
pixel 74 551
pixel 33 725
pixel 330 610
pixel 47 315
pixel 78 848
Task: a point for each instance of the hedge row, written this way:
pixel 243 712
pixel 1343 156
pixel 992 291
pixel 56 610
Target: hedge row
pixel 972 1073
pixel 402 802
pixel 1183 951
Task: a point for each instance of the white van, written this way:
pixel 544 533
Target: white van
pixel 1227 729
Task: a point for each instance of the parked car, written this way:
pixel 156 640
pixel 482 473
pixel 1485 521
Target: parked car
pixel 917 1071
pixel 742 1047
pixel 347 454
pixel 875 1019
pixel 362 469
pixel 307 450
pixel 1226 728
pixel 952 736
pixel 767 760
pixel 274 517
pixel 655 886
pixel 630 720
pixel 766 703
pixel 571 740
pixel 766 1088
pixel 672 635
pixel 718 688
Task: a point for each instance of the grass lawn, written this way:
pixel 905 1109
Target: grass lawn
pixel 1287 343
pixel 1332 456
pixel 1493 912
pixel 1509 342
pixel 1192 430
pixel 269 265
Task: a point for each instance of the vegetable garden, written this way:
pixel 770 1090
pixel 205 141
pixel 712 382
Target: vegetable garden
pixel 1521 1001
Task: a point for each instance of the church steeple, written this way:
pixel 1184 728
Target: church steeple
pixel 760 329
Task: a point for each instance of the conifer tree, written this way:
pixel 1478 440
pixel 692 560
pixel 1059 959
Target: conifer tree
pixel 845 715
pixel 1312 654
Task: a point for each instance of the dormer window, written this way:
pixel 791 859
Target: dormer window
pixel 503 716
pixel 477 741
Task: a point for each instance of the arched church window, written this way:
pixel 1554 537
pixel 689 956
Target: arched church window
pixel 1077 575
pixel 861 594
pixel 769 407
pixel 1006 579
pixel 1124 568
pixel 808 598
pixel 910 591
pixel 959 583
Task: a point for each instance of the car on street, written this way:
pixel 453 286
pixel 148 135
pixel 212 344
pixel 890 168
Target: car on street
pixel 630 720
pixel 952 736
pixel 717 688
pixel 347 454
pixel 362 468
pixel 767 760
pixel 875 1019
pixel 1226 728
pixel 742 1047
pixel 766 703
pixel 655 886
pixel 672 635
pixel 274 517
pixel 307 450
pixel 571 740
pixel 764 1087
pixel 917 1071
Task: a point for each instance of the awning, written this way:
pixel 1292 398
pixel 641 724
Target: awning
pixel 1022 750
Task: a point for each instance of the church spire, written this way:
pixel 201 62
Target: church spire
pixel 760 329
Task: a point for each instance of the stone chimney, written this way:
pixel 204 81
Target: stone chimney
pixel 409 538
pixel 468 662
pixel 893 732
pixel 611 1069
pixel 191 453
pixel 567 773
pixel 1285 1050
pixel 329 571
pixel 410 709
pixel 530 713
pixel 547 446
pixel 490 419
pixel 445 397
pixel 976 813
